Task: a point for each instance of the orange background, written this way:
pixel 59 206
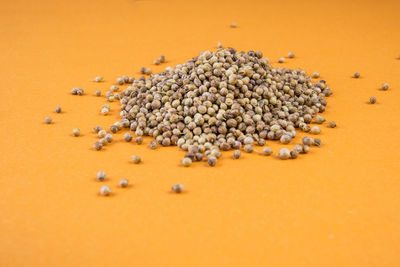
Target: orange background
pixel 336 206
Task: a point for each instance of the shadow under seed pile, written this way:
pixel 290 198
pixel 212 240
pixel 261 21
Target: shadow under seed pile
pixel 220 98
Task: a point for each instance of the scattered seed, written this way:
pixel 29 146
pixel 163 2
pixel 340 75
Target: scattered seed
pixel 161 58
pixel 307 141
pixel 76 132
pixel 211 160
pixel 98 79
pixel 248 141
pixel 109 138
pixel 285 139
pixel 101 175
pixel 148 71
pixel 105 111
pixel 120 81
pixel 97 128
pixel 124 183
pixel 315 130
pixel 97 145
pixel 58 109
pixel 267 151
pixel 114 128
pixel 385 86
pixel 319 119
pixel 153 145
pixel 236 154
pixel 356 75
pixel 315 75
pixel 156 62
pixel 290 55
pixel 284 153
pixel 372 100
pixel 199 156
pixel 186 162
pixel 281 60
pixel 317 142
pixel 294 154
pixel 105 190
pixel 97 93
pixel 127 137
pixel 103 141
pixel 233 25
pixel 306 149
pixel 177 188
pixel 248 148
pixel 332 124
pixel 47 120
pixel 219 45
pixel 136 159
pixel 139 140
pixel 101 133
pixel 298 148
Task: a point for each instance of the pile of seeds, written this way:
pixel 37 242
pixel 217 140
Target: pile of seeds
pixel 219 99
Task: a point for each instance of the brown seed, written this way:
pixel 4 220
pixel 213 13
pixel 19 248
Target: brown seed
pixel 315 130
pixel 356 75
pixel 127 137
pixel 124 183
pixel 47 120
pixel 307 141
pixel 236 154
pixel 306 149
pixel 317 142
pixel 212 161
pixel 267 151
pixel 233 25
pixel 372 100
pixel 294 154
pixel 136 159
pixel 58 109
pixel 97 145
pixel 186 162
pixel 97 129
pixel 177 188
pixel 290 55
pixel 385 86
pixel 248 148
pixel 153 145
pixel 114 128
pixel 139 140
pixel 284 153
pixel 332 124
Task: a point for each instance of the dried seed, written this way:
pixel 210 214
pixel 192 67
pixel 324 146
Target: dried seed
pixel 58 109
pixel 153 145
pixel 248 141
pixel 76 132
pixel 136 159
pixel 236 154
pixel 114 128
pixel 290 55
pixel 248 148
pixel 124 183
pixel 139 140
pixel 47 120
pixel 356 75
pixel 317 142
pixel 101 133
pixel 294 154
pixel 233 25
pixel 105 190
pixel 319 119
pixel 372 100
pixel 305 149
pixel 332 124
pixel 285 139
pixel 101 176
pixel 267 151
pixel 109 138
pixel 177 188
pixel 315 75
pixel 281 60
pixel 98 79
pixel 211 160
pixel 97 93
pixel 307 141
pixel 127 137
pixel 97 145
pixel 186 162
pixel 97 128
pixel 284 153
pixel 315 130
pixel 161 58
pixel 120 81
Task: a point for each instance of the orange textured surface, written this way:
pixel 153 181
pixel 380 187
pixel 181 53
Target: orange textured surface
pixel 336 206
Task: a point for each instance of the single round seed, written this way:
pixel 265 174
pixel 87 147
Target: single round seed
pixel 177 188
pixel 306 149
pixel 211 160
pixel 47 120
pixel 153 145
pixel 120 81
pixel 356 75
pixel 186 162
pixel 136 159
pixel 114 128
pixel 385 86
pixel 319 119
pixel 161 58
pixel 315 75
pixel 124 183
pixel 281 60
pixel 109 138
pixel 105 190
pixel 267 151
pixel 372 100
pixel 98 79
pixel 317 142
pixel 233 25
pixel 284 153
pixel 285 139
pixel 298 148
pixel 105 111
pixel 332 124
pixel 58 109
pixel 142 70
pixel 97 128
pixel 97 93
pixel 248 148
pixel 148 71
pixel 199 156
pixel 248 141
pixel 101 175
pixel 103 141
pixel 156 62
pixel 111 98
pixel 307 141
pixel 219 45
pixel 101 133
pixel 294 154
pixel 98 145
pixel 315 130
pixel 139 140
pixel 261 142
pixel 76 132
pixel 127 137
pixel 290 55
pixel 236 154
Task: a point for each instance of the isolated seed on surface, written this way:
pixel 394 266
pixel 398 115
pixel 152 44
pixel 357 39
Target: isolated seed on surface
pixel 161 58
pixel 127 137
pixel 47 120
pixel 97 93
pixel 156 62
pixel 114 128
pixel 317 142
pixel 315 130
pixel 219 45
pixel 124 183
pixel 372 100
pixel 284 153
pixel 356 75
pixel 307 141
pixel 58 109
pixel 332 124
pixel 76 132
pixel 98 79
pixel 319 119
pixel 101 133
pixel 139 140
pixel 136 159
pixel 305 149
pixel 236 154
pixel 98 145
pixel 315 75
pixel 177 188
pixel 211 160
pixel 153 145
pixel 101 175
pixel 233 25
pixel 186 162
pixel 105 190
pixel 290 55
pixel 267 151
pixel 281 60
pixel 109 138
pixel 248 148
pixel 148 71
pixel 298 148
pixel 385 86
pixel 105 111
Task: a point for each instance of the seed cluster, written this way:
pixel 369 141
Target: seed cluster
pixel 220 99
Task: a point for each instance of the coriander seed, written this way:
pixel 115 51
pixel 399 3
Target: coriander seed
pixel 127 137
pixel 315 130
pixel 372 100
pixel 161 58
pixel 103 141
pixel 177 188
pixel 284 153
pixel 332 124
pixel 248 148
pixel 48 120
pixel 290 55
pixel 306 149
pixel 97 93
pixel 233 25
pixel 153 145
pixel 97 129
pixel 109 138
pixel 236 154
pixel 136 159
pixel 123 183
pixel 317 142
pixel 101 133
pixel 211 160
pixel 307 141
pixel 105 190
pixel 76 132
pixel 281 60
pixel 101 176
pixel 356 75
pixel 294 154
pixel 97 145
pixel 98 79
pixel 186 162
pixel 319 119
pixel 58 109
pixel 385 86
pixel 315 75
pixel 139 140
pixel 266 151
pixel 114 128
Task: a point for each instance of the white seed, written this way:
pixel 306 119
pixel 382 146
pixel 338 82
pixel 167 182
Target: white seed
pixel 385 86
pixel 76 132
pixel 315 130
pixel 124 183
pixel 284 153
pixel 267 151
pixel 101 133
pixel 101 175
pixel 98 79
pixel 281 60
pixel 290 55
pixel 177 188
pixel 47 120
pixel 105 190
pixel 186 162
pixel 136 159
